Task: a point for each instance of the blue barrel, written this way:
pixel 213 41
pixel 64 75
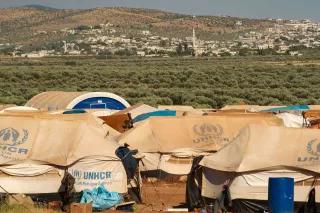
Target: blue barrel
pixel 281 195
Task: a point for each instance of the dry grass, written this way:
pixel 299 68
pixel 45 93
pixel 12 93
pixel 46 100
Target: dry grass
pixel 18 208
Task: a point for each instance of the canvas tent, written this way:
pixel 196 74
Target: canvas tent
pixel 40 146
pixel 314 107
pixel 288 108
pixel 292 120
pixel 247 108
pixel 260 152
pixel 281 146
pixel 171 139
pixel 30 178
pixel 58 100
pixel 136 110
pixel 176 108
pixel 199 133
pixel 5 106
pixel 19 109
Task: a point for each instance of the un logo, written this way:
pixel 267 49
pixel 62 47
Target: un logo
pixel 313 148
pixel 11 136
pixel 208 129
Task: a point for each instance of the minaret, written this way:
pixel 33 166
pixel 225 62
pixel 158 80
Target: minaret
pixel 64 47
pixel 194 39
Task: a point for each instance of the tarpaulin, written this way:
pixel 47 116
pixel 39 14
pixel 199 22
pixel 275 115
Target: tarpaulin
pixel 197 133
pixel 254 185
pixel 260 152
pixel 288 108
pixel 170 163
pixel 159 113
pixel 101 198
pixel 36 148
pixel 291 120
pixel 27 169
pixel 260 147
pixel 54 139
pixel 33 178
pixel 48 182
pixel 90 173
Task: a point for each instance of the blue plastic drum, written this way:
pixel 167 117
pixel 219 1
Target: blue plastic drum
pixel 281 195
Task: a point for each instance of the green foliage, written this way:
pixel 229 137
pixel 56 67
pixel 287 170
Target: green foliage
pixel 268 51
pixel 297 48
pixel 83 27
pixel 200 82
pixel 6 50
pixel 125 52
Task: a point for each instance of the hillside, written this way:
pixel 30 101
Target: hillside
pixel 22 25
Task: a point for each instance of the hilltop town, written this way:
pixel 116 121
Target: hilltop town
pixel 277 37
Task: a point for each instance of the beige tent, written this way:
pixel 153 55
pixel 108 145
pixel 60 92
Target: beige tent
pixel 314 107
pixel 289 147
pixel 136 110
pixel 260 152
pixel 201 133
pixel 53 99
pixel 5 106
pixel 54 139
pixel 80 143
pixel 254 185
pixel 176 107
pixel 247 108
pixel 19 109
pixel 169 143
pixel 30 178
pixel 58 100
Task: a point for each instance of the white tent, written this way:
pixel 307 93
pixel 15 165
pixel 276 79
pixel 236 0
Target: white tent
pixel 19 109
pixel 291 120
pixel 260 152
pixel 170 143
pixel 36 148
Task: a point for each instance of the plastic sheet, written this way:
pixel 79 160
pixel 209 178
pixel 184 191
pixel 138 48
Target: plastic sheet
pixel 101 198
pixel 159 113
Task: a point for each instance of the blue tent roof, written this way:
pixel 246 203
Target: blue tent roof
pixel 288 108
pixel 160 113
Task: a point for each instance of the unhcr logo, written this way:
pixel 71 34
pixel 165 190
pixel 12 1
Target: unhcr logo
pixel 91 175
pixel 313 148
pixel 208 129
pixel 10 138
pixel 209 133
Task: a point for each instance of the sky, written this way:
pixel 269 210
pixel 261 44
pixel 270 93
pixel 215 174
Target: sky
pixel 287 9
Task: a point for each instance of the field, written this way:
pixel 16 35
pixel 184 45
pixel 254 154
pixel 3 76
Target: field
pixel 200 82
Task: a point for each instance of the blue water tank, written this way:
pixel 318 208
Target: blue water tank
pixel 281 195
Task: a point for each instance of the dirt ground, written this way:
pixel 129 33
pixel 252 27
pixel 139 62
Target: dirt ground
pixel 159 196
pixel 156 196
